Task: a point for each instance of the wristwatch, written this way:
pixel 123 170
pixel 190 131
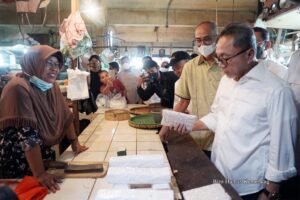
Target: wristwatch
pixel 271 195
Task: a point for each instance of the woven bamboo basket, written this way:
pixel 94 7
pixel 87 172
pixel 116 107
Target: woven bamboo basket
pixel 155 109
pixel 116 115
pixel 148 121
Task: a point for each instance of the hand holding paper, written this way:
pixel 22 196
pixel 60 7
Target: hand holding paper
pixel 180 122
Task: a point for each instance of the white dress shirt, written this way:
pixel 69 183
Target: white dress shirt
pixel 254 120
pixel 276 68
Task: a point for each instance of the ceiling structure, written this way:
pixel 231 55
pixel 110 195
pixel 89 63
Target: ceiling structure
pixel 136 22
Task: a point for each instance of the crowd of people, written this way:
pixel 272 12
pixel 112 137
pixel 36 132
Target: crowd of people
pixel 246 103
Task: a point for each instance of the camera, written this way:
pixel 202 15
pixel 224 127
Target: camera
pixel 151 78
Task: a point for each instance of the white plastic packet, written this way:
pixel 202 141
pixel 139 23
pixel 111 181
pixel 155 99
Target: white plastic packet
pixel 77 85
pixel 172 118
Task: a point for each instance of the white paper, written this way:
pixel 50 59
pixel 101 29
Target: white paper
pixel 209 192
pixel 131 175
pixel 134 194
pixel 143 161
pixel 172 118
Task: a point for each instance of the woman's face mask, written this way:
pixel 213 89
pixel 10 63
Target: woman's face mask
pixel 39 83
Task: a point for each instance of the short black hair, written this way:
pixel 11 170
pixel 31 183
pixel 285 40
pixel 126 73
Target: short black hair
pixel 145 58
pixel 114 65
pixel 194 55
pixel 94 56
pixel 150 64
pixel 263 32
pixel 243 35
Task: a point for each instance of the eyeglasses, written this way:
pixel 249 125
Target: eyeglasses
pixel 224 61
pixel 53 64
pixel 205 40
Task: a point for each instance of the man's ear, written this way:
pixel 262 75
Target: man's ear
pixel 251 54
pixel 268 45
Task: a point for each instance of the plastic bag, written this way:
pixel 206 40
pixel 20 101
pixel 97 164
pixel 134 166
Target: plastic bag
pixel 102 101
pixel 118 101
pixel 77 85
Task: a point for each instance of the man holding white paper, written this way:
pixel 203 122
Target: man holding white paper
pixel 254 119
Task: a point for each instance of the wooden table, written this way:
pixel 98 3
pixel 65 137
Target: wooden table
pixel 104 138
pixel 193 167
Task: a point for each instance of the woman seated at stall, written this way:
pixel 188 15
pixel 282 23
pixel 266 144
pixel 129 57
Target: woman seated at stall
pixel 34 117
pixel 110 86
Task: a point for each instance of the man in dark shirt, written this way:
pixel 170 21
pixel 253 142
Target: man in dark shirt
pixel 161 83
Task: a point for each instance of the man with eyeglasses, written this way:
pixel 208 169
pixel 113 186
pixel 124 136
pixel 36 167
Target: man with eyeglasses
pixel 254 119
pixel 263 44
pixel 199 82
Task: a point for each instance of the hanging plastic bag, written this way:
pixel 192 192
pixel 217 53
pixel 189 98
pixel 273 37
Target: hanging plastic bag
pixel 77 84
pixel 75 39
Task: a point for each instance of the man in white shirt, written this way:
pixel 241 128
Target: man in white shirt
pixel 253 117
pixel 293 79
pixel 263 44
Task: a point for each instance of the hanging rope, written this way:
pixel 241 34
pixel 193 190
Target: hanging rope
pixel 232 20
pixel 217 13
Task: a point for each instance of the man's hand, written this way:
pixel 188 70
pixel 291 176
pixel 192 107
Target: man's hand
pixel 163 134
pixel 181 129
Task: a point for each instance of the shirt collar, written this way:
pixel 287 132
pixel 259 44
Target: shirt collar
pixel 201 60
pixel 257 72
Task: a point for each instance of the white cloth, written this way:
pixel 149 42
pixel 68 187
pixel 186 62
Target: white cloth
pixel 134 194
pixel 208 192
pixel 133 175
pixel 254 120
pixel 137 161
pixel 276 68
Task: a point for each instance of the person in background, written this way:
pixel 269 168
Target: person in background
pixel 114 69
pixel 128 78
pixel 95 68
pixel 164 67
pixel 160 83
pixel 263 44
pixel 110 85
pixel 146 58
pixel 199 81
pixel 34 117
pixel 254 119
pixel 178 60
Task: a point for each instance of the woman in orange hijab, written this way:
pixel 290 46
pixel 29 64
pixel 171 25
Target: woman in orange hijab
pixel 34 117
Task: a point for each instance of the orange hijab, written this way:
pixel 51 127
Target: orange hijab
pixel 24 105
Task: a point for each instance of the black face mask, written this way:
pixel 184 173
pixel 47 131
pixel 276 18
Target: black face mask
pixel 153 77
pixel 260 51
